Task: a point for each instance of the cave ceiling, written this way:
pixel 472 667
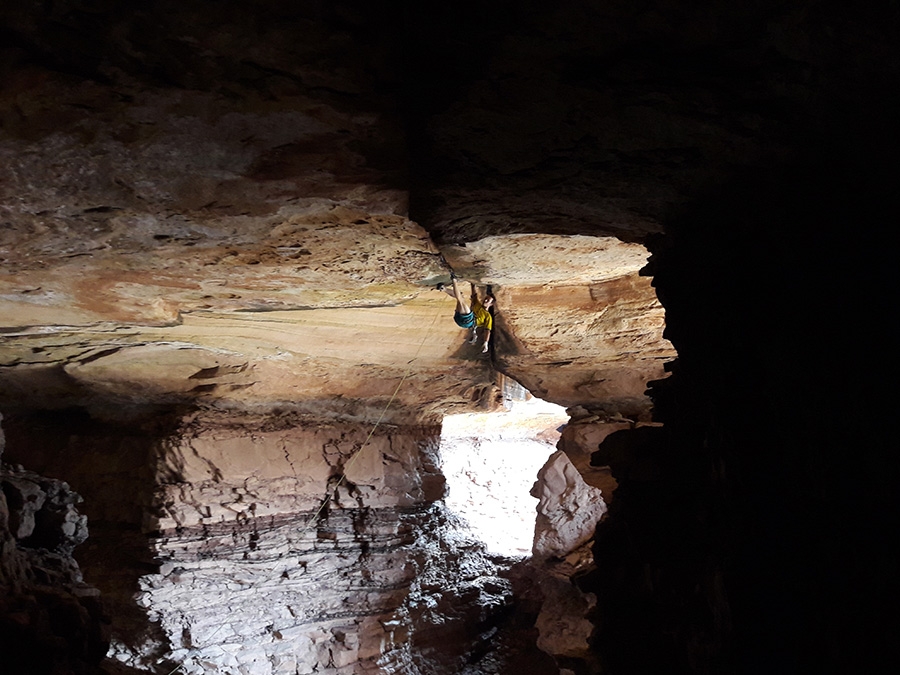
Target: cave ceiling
pixel 249 208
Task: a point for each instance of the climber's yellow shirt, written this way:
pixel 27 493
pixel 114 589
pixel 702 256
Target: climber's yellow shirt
pixel 482 316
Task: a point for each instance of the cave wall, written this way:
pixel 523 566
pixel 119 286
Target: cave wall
pixel 50 619
pixel 749 532
pixel 243 213
pixel 274 544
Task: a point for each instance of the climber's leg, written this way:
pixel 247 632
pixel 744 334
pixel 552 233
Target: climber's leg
pixel 464 316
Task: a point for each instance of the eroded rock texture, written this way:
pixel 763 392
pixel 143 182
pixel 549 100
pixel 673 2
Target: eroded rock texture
pixel 219 233
pixel 50 620
pixel 568 508
pixel 272 545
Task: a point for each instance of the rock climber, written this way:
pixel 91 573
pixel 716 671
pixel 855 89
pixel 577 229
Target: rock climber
pixel 474 317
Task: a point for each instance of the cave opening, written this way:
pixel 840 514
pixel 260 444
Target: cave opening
pixel 491 461
pixel 244 212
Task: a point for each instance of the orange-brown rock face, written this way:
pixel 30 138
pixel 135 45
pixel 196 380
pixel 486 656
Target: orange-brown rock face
pixel 618 322
pixel 177 240
pixel 220 233
pixel 164 246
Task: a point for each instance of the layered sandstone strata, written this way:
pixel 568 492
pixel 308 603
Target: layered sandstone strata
pixel 280 545
pixel 241 212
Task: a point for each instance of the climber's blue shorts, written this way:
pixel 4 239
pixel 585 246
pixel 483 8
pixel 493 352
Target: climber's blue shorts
pixel 464 320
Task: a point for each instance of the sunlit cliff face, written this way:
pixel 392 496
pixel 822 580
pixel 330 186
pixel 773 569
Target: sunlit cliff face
pixel 220 237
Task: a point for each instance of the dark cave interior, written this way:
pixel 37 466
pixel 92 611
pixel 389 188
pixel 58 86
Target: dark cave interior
pixel 757 518
pixel 755 531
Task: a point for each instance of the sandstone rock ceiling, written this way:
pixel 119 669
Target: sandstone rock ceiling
pixel 214 208
pixel 246 208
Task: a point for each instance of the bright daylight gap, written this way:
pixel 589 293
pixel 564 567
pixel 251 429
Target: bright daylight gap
pixel 491 461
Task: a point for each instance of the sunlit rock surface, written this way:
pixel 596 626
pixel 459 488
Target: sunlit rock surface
pixel 568 509
pixel 282 547
pixel 219 233
pixel 490 461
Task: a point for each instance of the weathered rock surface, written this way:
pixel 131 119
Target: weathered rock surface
pixel 172 240
pixel 210 220
pixel 347 591
pixel 210 474
pixel 280 546
pixel 568 509
pixel 50 620
pixel 564 624
pixel 562 297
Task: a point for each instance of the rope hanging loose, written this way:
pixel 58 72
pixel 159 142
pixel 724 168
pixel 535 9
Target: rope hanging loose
pixel 358 452
pixel 346 466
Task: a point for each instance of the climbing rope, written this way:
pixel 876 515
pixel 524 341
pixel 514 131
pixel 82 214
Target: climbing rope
pixel 358 452
pixel 345 468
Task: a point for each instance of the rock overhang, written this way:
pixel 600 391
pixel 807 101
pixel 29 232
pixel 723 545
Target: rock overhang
pixel 261 186
pixel 168 247
pixel 355 347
